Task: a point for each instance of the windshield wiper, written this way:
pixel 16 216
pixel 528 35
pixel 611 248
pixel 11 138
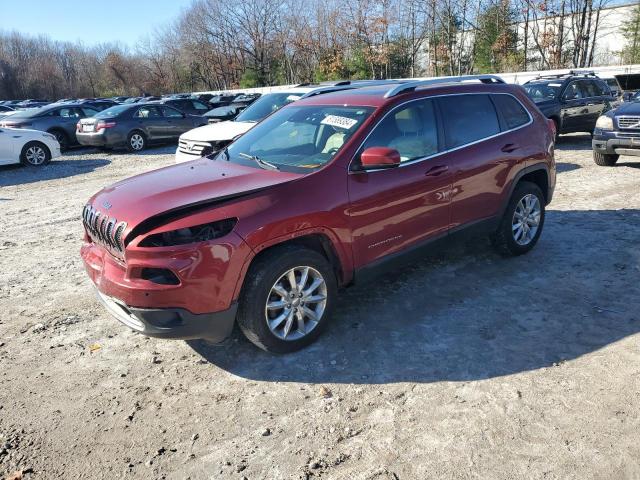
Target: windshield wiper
pixel 263 163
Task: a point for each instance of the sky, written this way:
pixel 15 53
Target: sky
pixel 91 21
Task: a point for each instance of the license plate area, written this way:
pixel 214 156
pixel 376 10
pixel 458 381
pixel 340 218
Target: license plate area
pixel 87 128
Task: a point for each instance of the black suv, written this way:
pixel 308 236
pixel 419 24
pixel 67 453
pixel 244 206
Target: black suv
pixel 617 133
pixel 574 101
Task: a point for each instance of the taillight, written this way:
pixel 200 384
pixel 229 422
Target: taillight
pixel 78 127
pixel 102 124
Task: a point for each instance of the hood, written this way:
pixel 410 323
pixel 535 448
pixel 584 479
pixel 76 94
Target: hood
pixel 628 108
pixel 181 186
pixel 215 132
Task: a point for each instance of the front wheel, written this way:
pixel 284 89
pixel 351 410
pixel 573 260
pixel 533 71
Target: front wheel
pixel 522 222
pixel 605 160
pixel 35 154
pixel 136 141
pixel 287 299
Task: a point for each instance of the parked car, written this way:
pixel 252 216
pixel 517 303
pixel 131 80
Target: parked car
pixel 207 140
pixel 222 114
pixel 617 132
pixel 614 86
pixel 246 99
pixel 221 100
pixel 188 105
pixel 32 148
pixel 135 126
pixel 59 120
pixel 574 101
pixel 99 105
pixel 317 196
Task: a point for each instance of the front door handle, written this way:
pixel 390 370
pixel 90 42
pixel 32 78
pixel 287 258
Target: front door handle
pixel 437 170
pixel 509 147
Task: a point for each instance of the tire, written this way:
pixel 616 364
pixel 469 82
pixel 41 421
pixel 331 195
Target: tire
pixel 509 240
pixel 557 124
pixel 604 159
pixel 62 138
pixel 267 327
pixel 136 141
pixel 35 154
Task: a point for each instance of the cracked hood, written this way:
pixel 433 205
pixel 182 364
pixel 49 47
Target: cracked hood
pixel 173 188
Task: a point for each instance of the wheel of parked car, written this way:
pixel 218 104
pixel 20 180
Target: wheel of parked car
pixel 136 141
pixel 522 222
pixel 287 298
pixel 62 139
pixel 604 159
pixel 35 154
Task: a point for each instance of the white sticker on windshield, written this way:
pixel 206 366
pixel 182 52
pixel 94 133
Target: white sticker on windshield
pixel 293 98
pixel 555 84
pixel 340 122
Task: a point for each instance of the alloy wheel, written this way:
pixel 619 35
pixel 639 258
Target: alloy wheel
pixel 526 219
pixel 296 303
pixel 35 155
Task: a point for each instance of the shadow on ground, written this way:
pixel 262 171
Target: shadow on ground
pixel 20 175
pixel 467 314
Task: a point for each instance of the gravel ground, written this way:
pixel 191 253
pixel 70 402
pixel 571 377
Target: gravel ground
pixel 466 365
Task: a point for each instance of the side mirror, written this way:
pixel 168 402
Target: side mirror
pixel 379 157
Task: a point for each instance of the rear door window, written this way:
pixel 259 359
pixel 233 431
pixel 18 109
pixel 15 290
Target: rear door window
pixel 574 91
pixel 171 112
pixel 70 112
pixel 513 113
pixel 412 130
pixel 468 118
pixel 148 112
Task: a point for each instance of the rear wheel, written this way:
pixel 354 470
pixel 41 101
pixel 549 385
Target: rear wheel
pixel 35 154
pixel 136 141
pixel 604 159
pixel 62 139
pixel 522 222
pixel 287 299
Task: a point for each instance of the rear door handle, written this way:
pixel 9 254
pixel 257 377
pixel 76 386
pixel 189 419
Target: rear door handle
pixel 437 170
pixel 509 147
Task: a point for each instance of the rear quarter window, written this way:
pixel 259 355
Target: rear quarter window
pixel 468 118
pixel 512 111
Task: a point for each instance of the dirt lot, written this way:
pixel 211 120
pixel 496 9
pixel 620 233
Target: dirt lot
pixel 466 365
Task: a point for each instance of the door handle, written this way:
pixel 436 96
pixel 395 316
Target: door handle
pixel 509 147
pixel 435 171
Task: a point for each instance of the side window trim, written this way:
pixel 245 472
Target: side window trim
pixel 352 170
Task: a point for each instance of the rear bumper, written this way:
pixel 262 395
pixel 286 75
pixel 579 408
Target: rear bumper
pixel 610 144
pixel 172 323
pixel 105 138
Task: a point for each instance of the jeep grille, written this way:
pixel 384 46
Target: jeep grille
pixel 104 230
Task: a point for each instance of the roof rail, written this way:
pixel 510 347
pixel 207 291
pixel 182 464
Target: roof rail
pixel 411 86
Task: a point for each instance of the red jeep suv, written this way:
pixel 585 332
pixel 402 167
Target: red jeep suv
pixel 313 198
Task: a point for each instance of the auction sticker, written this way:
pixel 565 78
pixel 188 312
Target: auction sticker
pixel 340 122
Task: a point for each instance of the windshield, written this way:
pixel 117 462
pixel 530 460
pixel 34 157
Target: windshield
pixel 297 139
pixel 220 111
pixel 266 105
pixel 112 111
pixel 543 91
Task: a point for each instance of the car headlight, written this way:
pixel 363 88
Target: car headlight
pixel 199 233
pixel 604 123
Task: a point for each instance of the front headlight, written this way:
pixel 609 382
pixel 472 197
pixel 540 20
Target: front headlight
pixel 199 233
pixel 604 123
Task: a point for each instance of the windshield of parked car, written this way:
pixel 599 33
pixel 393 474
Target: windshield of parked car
pixel 112 111
pixel 543 91
pixel 221 111
pixel 297 138
pixel 266 105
